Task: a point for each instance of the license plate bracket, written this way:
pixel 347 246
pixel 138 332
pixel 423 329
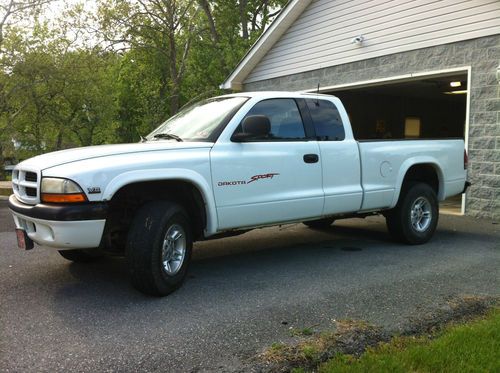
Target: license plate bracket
pixel 23 241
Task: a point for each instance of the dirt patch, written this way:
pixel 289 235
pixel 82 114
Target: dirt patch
pixel 349 337
pixel 456 310
pixel 353 337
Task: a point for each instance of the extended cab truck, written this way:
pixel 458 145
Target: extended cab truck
pixel 226 165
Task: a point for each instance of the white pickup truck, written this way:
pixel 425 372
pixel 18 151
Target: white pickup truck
pixel 224 166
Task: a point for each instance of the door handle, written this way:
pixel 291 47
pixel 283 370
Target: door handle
pixel 311 158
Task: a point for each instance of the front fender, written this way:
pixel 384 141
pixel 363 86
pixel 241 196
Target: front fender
pixel 193 177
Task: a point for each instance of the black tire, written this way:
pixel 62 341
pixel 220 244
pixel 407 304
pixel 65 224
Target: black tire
pixel 320 223
pixel 399 219
pixel 144 251
pixel 81 255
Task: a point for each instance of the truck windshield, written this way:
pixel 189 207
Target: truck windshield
pixel 202 121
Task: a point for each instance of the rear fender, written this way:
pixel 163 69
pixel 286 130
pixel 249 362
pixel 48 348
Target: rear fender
pixel 413 162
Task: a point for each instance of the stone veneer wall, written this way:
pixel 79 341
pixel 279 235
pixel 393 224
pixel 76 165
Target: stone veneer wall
pixel 483 55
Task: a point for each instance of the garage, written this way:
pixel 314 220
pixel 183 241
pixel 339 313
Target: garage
pixel 425 107
pixel 403 69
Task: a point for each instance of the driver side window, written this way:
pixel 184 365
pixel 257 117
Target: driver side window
pixel 285 118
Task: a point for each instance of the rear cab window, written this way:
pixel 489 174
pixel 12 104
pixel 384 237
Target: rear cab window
pixel 326 119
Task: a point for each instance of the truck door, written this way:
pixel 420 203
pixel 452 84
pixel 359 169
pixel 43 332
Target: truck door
pixel 268 180
pixel 340 160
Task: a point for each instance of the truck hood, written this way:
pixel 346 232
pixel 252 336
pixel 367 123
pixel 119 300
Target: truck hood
pixel 48 160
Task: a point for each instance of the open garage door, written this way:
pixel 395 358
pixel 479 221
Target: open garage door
pixel 432 107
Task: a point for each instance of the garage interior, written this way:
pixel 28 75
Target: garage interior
pixel 432 107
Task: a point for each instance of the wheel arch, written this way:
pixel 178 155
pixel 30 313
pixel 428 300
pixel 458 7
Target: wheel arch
pixel 426 170
pixel 178 180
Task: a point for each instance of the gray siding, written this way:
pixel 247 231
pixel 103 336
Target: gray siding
pixel 321 37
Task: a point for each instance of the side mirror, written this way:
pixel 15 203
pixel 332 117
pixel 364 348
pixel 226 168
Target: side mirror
pixel 253 127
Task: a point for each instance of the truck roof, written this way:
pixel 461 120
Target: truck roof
pixel 274 94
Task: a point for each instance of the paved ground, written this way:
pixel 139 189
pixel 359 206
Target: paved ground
pixel 57 316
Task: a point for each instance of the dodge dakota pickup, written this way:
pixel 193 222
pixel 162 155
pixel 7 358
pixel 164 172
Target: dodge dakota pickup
pixel 224 166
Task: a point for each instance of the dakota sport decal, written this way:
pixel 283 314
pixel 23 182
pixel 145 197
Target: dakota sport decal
pixel 244 182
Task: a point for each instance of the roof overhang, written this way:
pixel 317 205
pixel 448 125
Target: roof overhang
pixel 264 43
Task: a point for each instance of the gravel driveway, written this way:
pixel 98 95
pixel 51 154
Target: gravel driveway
pixel 243 294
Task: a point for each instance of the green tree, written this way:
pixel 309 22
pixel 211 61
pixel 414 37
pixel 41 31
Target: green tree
pixel 12 12
pixel 112 75
pixel 176 51
pixel 68 96
pixel 161 29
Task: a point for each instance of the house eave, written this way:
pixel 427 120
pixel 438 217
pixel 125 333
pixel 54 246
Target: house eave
pixel 264 43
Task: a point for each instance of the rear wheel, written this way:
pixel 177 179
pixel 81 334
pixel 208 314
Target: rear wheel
pixel 320 223
pixel 159 247
pixel 81 255
pixel 415 217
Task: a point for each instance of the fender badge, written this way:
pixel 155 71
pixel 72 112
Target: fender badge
pixel 259 177
pixel 244 182
pixel 94 190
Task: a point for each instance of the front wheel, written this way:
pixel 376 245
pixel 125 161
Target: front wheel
pixel 159 247
pixel 415 217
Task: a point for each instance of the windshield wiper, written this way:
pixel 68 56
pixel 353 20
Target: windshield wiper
pixel 167 136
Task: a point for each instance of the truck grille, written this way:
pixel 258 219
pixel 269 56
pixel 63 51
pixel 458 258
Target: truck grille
pixel 25 184
pixel 31 176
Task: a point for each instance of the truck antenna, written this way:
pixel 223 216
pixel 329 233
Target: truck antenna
pixel 317 94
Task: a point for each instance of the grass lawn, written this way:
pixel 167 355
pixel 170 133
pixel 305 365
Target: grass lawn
pixel 471 347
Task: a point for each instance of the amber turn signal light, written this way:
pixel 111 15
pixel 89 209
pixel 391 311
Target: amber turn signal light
pixel 63 198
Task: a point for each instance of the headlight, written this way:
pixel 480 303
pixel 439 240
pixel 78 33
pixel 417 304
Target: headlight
pixel 56 190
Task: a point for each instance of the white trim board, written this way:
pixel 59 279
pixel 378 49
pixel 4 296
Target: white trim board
pixel 264 43
pixel 394 79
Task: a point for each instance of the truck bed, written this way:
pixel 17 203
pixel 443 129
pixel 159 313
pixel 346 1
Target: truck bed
pixel 384 164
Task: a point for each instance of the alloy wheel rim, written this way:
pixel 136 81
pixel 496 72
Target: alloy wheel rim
pixel 173 250
pixel 421 214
